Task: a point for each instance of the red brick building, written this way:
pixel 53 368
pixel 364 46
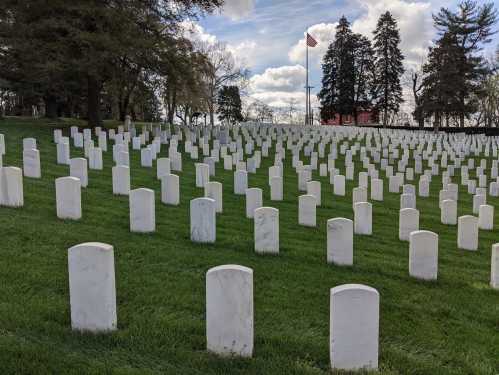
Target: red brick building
pixel 363 117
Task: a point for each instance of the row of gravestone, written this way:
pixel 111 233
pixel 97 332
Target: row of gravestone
pixel 354 308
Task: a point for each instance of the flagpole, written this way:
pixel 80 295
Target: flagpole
pixel 306 86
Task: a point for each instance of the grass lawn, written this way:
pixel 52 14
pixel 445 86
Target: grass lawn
pixel 445 327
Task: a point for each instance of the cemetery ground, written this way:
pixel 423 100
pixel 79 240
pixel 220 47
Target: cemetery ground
pixel 450 326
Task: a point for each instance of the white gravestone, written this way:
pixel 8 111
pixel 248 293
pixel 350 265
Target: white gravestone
pixel 11 187
pixel 203 220
pixel 448 212
pixel 78 169
pixel 314 188
pixel 266 230
pixel 340 241
pixel 408 222
pixel 95 159
pixel 92 290
pixel 423 255
pixel 121 180
pixel 363 218
pixel 494 267
pixel 307 210
pixel 31 163
pixel 339 185
pixel 276 189
pixel 467 233
pixel 214 190
pixel 68 198
pixel 254 200
pixel 354 327
pixel 229 310
pixel 142 211
pixel 240 182
pixel 377 189
pixel 63 153
pixel 170 189
pixel 202 174
pixel 162 167
pixel 486 217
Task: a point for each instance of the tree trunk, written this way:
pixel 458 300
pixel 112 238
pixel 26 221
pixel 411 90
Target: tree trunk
pixel 51 106
pixel 421 122
pixel 461 120
pixel 93 101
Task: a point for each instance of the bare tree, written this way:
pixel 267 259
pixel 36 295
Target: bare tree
pixel 224 70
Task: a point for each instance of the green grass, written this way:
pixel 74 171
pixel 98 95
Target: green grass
pixel 445 327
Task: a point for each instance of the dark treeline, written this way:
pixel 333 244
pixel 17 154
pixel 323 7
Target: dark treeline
pixel 454 85
pixel 108 59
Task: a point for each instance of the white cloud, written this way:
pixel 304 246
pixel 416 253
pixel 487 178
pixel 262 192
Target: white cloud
pixel 413 19
pixel 237 9
pixel 280 86
pixel 196 33
pixel 323 33
pixel 283 78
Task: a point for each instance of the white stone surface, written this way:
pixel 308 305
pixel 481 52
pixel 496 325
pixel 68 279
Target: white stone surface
pixel 92 290
pixel 276 188
pixel 408 222
pixel 229 310
pixel 146 157
pixel 363 218
pixel 29 143
pixel 377 189
pixel 467 233
pixel 254 200
pixel 214 190
pixel 314 188
pixel 163 167
pixel 63 153
pixel 340 241
pixel 307 210
pixel 339 185
pixel 448 212
pixel 240 182
pixel 354 327
pixel 68 198
pixel 407 201
pixel 494 267
pixel 486 217
pixel 266 230
pixel 95 159
pixel 202 174
pixel 78 169
pixel 170 189
pixel 121 180
pixel 478 200
pixel 423 255
pixel 31 163
pixel 142 211
pixel 11 187
pixel 203 220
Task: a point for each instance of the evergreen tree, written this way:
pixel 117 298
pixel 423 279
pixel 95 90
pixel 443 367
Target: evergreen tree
pixel 442 80
pixel 337 93
pixel 388 65
pixel 363 74
pixel 229 104
pixel 468 28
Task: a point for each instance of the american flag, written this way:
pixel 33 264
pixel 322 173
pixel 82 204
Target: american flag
pixel 311 42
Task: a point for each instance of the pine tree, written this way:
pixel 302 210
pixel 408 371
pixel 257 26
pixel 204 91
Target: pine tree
pixel 229 104
pixel 470 27
pixel 389 66
pixel 363 74
pixel 442 80
pixel 337 93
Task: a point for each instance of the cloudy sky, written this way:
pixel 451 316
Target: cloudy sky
pixel 268 36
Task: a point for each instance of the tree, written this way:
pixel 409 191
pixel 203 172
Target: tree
pixel 363 73
pixel 442 80
pixel 90 42
pixel 229 104
pixel 224 70
pixel 389 66
pixel 337 92
pixel 470 27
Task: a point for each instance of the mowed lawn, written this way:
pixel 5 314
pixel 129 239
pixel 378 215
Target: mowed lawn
pixel 446 327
